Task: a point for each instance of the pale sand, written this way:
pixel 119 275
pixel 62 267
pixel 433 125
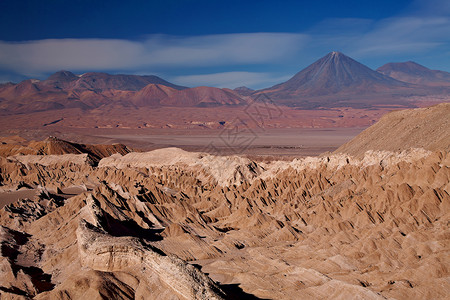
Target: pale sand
pixel 9 197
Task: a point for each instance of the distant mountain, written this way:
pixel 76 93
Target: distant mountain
pixel 244 91
pixel 64 90
pixel 203 97
pixel 61 80
pixel 152 95
pixel 414 73
pixel 333 74
pixel 159 95
pixel 102 81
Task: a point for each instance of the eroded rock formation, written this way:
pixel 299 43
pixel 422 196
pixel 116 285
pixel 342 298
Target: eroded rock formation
pixel 177 225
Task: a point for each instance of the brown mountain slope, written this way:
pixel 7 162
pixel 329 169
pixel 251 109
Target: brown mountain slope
pixel 426 128
pixel 96 81
pixel 103 81
pixel 61 80
pixel 243 91
pixel 152 95
pixel 64 90
pixel 414 73
pixel 203 96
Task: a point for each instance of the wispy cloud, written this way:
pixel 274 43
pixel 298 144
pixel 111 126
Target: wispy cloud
pixel 43 56
pixel 430 8
pixel 400 35
pixel 230 79
pixel 404 35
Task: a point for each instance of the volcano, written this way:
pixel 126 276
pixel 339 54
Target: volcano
pixel 335 75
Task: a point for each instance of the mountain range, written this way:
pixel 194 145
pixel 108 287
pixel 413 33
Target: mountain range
pixel 335 80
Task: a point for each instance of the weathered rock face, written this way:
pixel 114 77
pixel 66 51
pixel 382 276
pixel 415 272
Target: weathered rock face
pixel 102 252
pixel 218 169
pixel 334 226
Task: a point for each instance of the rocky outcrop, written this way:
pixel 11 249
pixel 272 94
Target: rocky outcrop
pixel 99 251
pixel 103 252
pixel 55 146
pixel 226 170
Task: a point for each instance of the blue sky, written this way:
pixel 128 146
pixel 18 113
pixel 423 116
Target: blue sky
pixel 216 43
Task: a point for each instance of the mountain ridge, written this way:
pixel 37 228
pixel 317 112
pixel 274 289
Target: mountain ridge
pixel 413 72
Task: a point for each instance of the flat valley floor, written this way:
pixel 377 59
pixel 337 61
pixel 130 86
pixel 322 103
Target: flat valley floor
pixel 289 142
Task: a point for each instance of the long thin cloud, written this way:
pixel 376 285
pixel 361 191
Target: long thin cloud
pixel 109 54
pixel 392 36
pixel 405 35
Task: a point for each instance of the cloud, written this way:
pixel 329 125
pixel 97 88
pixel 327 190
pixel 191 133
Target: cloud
pixel 32 57
pixel 401 35
pixel 231 79
pixel 430 8
pixel 404 35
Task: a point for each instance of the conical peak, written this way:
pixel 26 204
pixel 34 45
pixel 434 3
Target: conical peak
pixel 333 73
pixel 63 74
pixel 335 58
pixel 335 55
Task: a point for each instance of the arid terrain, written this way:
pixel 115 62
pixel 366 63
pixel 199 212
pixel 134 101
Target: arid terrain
pixel 204 149
pixel 334 92
pixel 368 221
